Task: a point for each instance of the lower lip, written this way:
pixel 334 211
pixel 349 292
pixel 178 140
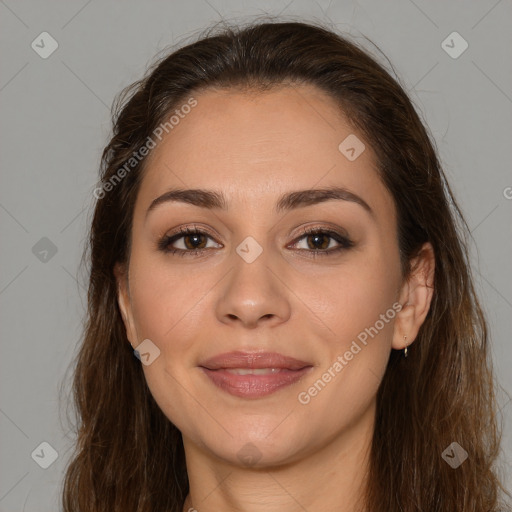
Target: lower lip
pixel 254 386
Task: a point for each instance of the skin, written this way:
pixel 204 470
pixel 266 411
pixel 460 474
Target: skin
pixel 254 148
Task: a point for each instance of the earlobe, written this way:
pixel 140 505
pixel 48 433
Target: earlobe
pixel 416 297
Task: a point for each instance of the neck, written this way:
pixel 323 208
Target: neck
pixel 330 478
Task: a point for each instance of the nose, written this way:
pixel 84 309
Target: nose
pixel 253 294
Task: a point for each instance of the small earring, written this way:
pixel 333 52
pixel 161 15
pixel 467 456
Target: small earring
pixel 405 349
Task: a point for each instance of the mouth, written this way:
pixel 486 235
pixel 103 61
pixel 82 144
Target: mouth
pixel 254 375
pixel 253 361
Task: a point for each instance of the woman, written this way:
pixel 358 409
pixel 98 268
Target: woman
pixel 281 311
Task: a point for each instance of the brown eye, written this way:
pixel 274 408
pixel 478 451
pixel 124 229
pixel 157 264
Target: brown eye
pixel 318 241
pixel 192 241
pixel 323 242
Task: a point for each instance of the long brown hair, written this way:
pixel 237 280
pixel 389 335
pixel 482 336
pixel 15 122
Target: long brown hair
pixel 129 457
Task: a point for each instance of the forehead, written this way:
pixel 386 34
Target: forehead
pixel 259 145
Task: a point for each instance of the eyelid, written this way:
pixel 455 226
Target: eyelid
pixel 189 229
pixel 322 228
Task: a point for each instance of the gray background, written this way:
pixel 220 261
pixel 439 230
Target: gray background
pixel 55 121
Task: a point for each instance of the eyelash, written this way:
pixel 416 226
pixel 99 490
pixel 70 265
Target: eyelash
pixel 166 240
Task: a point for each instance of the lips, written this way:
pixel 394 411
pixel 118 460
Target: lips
pixel 253 375
pixel 254 360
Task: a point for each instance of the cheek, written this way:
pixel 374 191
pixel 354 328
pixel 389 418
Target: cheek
pixel 362 309
pixel 164 297
pixel 354 358
pixel 356 304
pixel 168 310
pixel 355 296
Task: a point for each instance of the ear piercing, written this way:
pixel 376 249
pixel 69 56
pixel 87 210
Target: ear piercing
pixel 405 349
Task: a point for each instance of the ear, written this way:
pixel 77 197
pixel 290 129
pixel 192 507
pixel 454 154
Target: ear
pixel 124 301
pixel 415 296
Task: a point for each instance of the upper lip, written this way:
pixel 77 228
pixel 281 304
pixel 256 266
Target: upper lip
pixel 254 360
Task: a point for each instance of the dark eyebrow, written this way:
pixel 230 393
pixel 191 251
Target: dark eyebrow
pixel 308 197
pixel 211 199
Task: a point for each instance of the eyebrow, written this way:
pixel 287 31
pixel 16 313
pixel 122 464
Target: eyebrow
pixel 211 199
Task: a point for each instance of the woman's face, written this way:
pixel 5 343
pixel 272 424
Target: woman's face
pixel 249 279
